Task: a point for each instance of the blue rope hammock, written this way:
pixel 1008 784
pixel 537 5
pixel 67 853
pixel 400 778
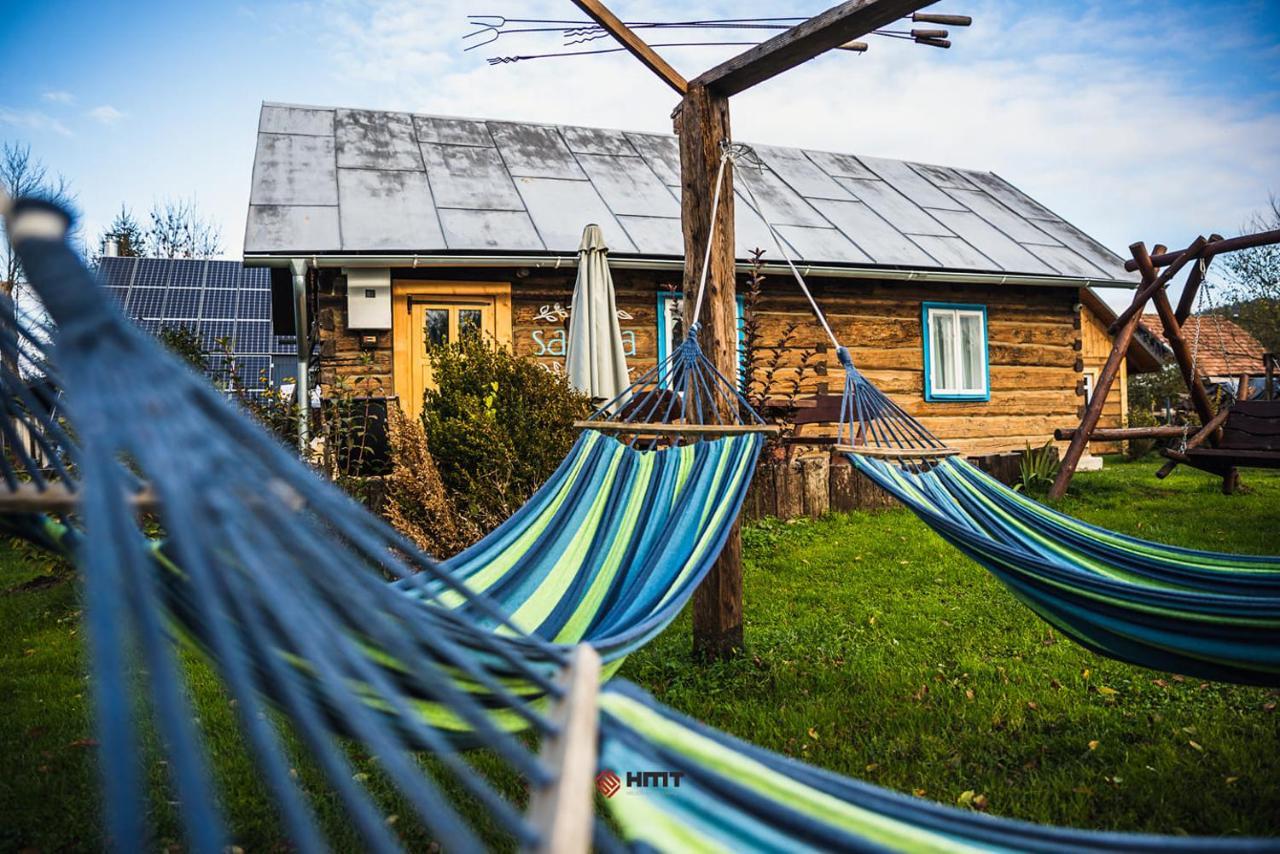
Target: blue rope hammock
pixel 1206 614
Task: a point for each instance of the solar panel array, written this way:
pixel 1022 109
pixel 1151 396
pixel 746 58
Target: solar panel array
pixel 218 299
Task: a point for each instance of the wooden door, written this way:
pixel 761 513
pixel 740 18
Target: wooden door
pixel 436 323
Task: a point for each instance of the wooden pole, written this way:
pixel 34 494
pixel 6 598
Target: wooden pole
pixel 1111 369
pixel 702 123
pixel 563 809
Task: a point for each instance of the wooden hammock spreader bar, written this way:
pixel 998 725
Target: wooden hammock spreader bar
pixel 563 810
pixel 657 429
pixel 56 498
pixel 899 453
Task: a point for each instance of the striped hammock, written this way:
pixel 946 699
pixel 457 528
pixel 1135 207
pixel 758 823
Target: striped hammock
pixel 734 797
pixel 1205 614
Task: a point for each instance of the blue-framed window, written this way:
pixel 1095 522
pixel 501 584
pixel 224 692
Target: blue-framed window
pixel 956 364
pixel 671 324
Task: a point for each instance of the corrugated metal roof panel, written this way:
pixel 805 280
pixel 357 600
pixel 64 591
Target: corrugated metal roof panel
pixel 876 237
pixel 451 131
pixel 300 120
pixel 628 186
pixel 291 169
pixel 653 235
pixel 466 176
pixel 548 200
pixel 387 209
pixel 373 140
pixel 498 230
pixel 534 151
pixel 509 186
pixel 302 228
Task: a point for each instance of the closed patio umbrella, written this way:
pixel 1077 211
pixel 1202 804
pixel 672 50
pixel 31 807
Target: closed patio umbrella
pixel 594 359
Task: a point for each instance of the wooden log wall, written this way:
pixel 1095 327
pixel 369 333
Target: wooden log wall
pixel 1035 340
pixel 1096 346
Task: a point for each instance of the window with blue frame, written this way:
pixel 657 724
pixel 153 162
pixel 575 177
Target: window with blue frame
pixel 671 329
pixel 955 352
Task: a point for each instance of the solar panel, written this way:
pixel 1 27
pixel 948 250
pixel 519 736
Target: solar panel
pixel 218 299
pixel 188 274
pixel 212 330
pixel 146 303
pixel 255 305
pixel 152 272
pixel 253 336
pixel 219 304
pixel 183 304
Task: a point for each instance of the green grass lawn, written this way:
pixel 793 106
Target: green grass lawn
pixel 873 649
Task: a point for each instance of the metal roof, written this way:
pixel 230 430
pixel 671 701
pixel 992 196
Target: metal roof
pixel 337 181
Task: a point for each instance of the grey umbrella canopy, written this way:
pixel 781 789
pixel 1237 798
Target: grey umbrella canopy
pixel 594 359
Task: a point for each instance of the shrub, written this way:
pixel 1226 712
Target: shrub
pixel 497 426
pixel 415 500
pixel 185 342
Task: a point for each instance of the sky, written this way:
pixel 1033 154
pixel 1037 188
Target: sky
pixel 1152 121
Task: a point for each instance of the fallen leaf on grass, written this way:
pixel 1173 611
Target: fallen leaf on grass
pixel 84 742
pixel 1269 707
pixel 1093 745
pixel 919 793
pixel 813 733
pixel 1230 780
pixel 1032 705
pixel 1195 746
pixel 872 766
pixel 968 693
pixel 1107 692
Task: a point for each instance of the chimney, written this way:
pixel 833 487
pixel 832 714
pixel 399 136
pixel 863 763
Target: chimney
pixel 110 246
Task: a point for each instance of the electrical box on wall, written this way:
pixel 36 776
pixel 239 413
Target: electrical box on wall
pixel 368 298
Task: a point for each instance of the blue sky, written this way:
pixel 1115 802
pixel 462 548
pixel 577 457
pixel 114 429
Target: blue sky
pixel 1134 120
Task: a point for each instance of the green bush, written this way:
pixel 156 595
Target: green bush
pixel 497 426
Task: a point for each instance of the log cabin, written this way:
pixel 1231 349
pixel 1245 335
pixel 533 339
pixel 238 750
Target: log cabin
pixel 956 292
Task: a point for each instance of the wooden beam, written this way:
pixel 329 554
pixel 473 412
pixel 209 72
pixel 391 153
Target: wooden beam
pixel 821 33
pixel 703 123
pixel 1181 349
pixel 1215 247
pixel 562 811
pixel 657 429
pixel 634 45
pixel 1148 287
pixel 1122 434
pixel 1110 370
pixel 56 498
pixel 898 453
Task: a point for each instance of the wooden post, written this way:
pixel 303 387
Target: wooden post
pixel 562 810
pixel 1109 372
pixel 702 124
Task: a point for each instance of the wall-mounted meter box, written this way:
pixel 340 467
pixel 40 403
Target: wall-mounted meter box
pixel 368 298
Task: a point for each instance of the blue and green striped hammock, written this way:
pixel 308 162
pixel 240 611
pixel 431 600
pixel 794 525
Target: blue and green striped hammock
pixel 1206 614
pixel 734 797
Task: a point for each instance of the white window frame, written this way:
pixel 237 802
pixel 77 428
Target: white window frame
pixel 932 391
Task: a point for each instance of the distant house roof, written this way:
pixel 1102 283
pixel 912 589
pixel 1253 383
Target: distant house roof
pixel 1222 348
pixel 338 181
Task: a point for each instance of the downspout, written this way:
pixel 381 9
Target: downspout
pixel 302 324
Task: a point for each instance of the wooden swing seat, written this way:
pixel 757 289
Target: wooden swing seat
pixel 1250 439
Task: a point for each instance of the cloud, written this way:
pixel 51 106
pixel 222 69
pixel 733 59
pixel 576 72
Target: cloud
pixel 58 96
pixel 33 120
pixel 1131 120
pixel 105 114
